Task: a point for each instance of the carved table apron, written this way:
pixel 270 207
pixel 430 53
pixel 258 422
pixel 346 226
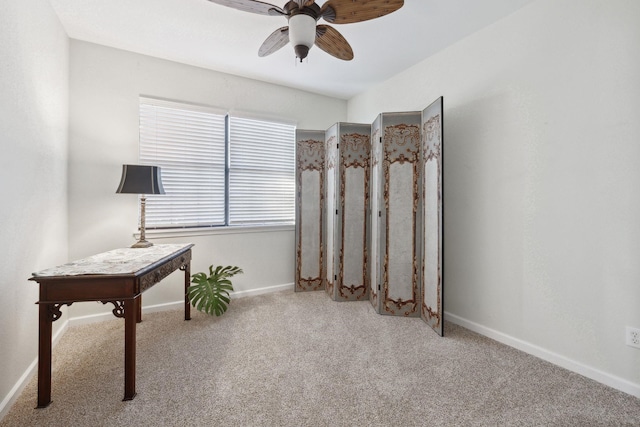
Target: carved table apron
pixel 117 277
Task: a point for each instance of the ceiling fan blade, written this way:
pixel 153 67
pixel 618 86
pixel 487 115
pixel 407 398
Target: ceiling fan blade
pixel 252 6
pixel 332 42
pixel 275 41
pixel 348 11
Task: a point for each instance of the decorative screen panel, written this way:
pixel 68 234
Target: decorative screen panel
pixel 355 146
pixel 310 213
pixel 398 247
pixel 376 238
pixel 350 231
pixel 354 238
pixel 432 216
pixel 331 158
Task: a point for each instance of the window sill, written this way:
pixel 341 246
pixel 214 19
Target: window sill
pixel 207 231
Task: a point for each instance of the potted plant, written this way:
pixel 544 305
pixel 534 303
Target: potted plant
pixel 210 294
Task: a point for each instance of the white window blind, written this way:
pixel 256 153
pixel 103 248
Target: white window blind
pixel 217 170
pixel 261 172
pixel 188 143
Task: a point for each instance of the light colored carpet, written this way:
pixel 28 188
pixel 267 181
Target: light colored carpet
pixel 300 359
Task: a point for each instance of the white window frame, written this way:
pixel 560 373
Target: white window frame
pixel 281 212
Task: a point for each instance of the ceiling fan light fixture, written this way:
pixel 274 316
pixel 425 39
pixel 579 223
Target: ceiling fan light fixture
pixel 302 34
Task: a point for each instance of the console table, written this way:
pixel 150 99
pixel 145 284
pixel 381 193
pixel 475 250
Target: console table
pixel 118 277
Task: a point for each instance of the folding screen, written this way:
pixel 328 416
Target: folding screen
pixel 395 221
pixel 432 214
pixel 310 214
pixel 347 202
pixel 369 213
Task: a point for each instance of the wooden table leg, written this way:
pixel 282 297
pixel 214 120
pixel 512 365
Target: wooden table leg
pixel 187 283
pixel 44 356
pixel 130 321
pixel 139 309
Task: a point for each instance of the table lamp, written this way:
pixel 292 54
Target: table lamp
pixel 142 180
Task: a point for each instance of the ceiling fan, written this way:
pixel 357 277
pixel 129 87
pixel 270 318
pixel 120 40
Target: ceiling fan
pixel 303 15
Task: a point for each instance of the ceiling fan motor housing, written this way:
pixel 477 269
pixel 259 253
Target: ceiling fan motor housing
pixel 292 8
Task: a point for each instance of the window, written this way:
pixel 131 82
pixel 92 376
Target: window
pixel 261 172
pixel 217 169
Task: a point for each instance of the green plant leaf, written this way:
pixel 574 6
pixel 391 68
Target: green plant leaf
pixel 210 294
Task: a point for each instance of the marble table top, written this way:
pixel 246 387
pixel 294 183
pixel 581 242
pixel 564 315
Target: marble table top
pixel 117 261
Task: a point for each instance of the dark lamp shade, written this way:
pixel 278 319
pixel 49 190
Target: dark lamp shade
pixel 140 179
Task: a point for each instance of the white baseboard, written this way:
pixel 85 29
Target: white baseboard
pixel 544 354
pixel 93 318
pixel 101 317
pixel 260 291
pixel 15 391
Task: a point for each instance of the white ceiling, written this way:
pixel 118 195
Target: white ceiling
pixel 205 34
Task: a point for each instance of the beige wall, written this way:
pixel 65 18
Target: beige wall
pixel 34 52
pixel 105 84
pixel 542 208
